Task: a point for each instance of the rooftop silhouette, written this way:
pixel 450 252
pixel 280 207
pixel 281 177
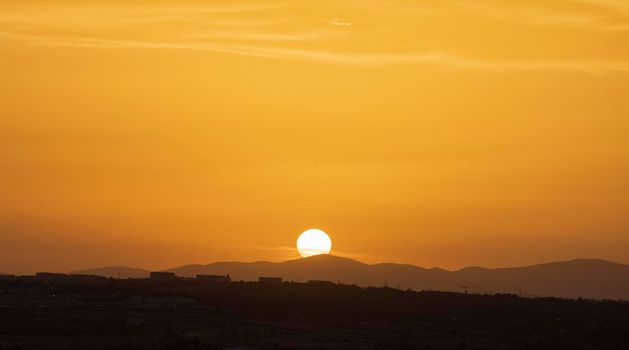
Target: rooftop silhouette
pixel 587 278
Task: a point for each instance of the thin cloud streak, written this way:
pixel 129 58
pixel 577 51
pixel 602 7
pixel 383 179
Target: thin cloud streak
pixel 330 57
pixel 95 12
pixel 619 6
pixel 506 11
pixel 338 22
pixel 197 30
pixel 256 36
pixel 290 252
pixel 547 17
pixel 101 17
pixel 211 9
pixel 81 20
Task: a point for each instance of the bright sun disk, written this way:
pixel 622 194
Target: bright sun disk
pixel 313 242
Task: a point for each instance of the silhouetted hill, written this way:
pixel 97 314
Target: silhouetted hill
pixel 591 278
pixel 588 278
pixel 115 272
pixel 85 313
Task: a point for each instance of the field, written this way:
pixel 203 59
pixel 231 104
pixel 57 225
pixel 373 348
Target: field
pixel 99 313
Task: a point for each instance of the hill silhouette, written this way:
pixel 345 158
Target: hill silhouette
pixel 587 278
pixel 99 313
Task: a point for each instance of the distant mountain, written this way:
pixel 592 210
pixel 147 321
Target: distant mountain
pixel 116 272
pixel 587 278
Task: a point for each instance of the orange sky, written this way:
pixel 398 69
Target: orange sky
pixel 437 133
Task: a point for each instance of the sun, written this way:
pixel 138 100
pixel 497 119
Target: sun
pixel 313 242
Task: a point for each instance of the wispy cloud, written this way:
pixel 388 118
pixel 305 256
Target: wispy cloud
pixel 531 15
pixel 90 16
pixel 442 59
pixel 613 17
pixel 210 9
pixel 338 22
pixel 547 16
pixel 283 253
pixel 278 253
pixel 619 6
pixel 230 30
pixel 254 36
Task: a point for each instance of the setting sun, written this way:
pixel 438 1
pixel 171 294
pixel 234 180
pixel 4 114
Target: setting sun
pixel 469 157
pixel 433 133
pixel 313 242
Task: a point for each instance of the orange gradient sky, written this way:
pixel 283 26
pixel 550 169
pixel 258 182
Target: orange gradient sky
pixel 437 133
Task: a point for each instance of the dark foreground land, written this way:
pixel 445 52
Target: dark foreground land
pixel 98 313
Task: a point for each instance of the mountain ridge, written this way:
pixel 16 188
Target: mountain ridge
pixel 587 278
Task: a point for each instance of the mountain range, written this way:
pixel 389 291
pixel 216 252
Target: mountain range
pixel 586 278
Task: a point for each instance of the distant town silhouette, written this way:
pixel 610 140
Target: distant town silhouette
pixel 585 278
pixel 164 311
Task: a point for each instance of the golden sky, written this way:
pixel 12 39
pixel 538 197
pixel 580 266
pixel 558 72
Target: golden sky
pixel 437 133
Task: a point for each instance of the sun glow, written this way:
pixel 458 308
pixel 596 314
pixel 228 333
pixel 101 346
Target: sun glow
pixel 313 242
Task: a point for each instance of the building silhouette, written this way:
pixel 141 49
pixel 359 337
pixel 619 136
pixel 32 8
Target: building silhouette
pixel 163 276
